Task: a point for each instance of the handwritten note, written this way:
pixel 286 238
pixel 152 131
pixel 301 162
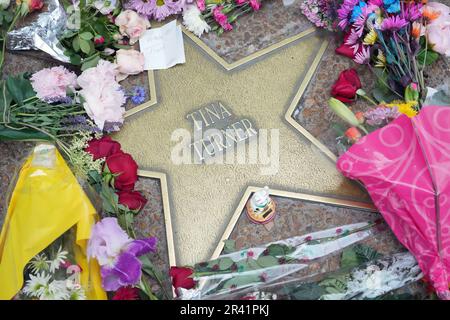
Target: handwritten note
pixel 163 47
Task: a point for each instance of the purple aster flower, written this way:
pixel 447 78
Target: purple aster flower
pixel 117 254
pixel 158 9
pixel 363 57
pixel 141 6
pixel 393 23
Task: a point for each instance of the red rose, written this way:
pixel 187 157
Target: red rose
pixel 36 5
pixel 98 39
pixel 132 199
pixel 102 148
pixel 346 50
pixel 125 168
pixel 345 87
pixel 126 293
pixel 31 5
pixel 181 277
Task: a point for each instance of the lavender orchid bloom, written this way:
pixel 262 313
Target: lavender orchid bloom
pixel 118 254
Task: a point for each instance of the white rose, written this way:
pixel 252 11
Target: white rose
pixel 129 62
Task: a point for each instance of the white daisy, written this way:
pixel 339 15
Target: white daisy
pixel 193 21
pixel 36 285
pixel 56 290
pixel 60 258
pixel 39 263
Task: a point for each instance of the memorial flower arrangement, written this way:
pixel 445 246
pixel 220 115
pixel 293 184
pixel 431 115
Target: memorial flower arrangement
pixel 102 30
pixel 394 39
pixel 273 271
pixel 74 112
pixel 398 126
pixel 216 15
pixel 235 270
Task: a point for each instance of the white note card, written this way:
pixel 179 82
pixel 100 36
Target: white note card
pixel 163 47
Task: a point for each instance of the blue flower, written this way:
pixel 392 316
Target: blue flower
pixel 392 6
pixel 138 95
pixel 357 11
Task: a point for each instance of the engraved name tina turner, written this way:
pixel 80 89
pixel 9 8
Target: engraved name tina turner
pixel 219 137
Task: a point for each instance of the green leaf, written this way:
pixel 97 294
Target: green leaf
pixel 90 62
pixel 225 263
pixel 267 261
pixel 75 59
pixel 349 258
pixel 110 199
pixel 240 281
pixel 19 88
pixel 335 285
pixel 427 56
pixel 7 134
pixel 229 246
pixel 366 253
pixel 86 36
pixel 76 44
pixel 382 96
pixel 277 249
pixel 85 46
pixel 308 291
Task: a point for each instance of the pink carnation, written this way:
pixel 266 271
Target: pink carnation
pixel 103 96
pixel 51 84
pixel 221 18
pixel 255 4
pixel 201 5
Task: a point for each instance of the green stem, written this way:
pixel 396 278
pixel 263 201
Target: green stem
pixel 5 38
pixel 143 285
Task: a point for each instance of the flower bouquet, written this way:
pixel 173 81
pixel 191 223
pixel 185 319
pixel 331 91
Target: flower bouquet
pixel 73 112
pixel 216 15
pixel 274 262
pixel 396 145
pixel 363 274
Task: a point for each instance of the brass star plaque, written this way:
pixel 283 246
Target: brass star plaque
pixel 257 93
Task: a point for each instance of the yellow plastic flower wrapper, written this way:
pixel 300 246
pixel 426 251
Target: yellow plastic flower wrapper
pixel 46 202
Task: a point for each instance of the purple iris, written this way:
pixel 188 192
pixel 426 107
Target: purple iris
pixel 126 270
pixel 117 254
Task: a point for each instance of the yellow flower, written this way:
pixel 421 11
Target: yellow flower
pixel 407 108
pixel 381 60
pixel 370 38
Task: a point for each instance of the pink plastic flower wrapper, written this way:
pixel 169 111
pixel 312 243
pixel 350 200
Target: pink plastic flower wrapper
pixel 405 167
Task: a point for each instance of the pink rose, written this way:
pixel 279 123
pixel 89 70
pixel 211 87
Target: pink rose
pixel 103 96
pixel 438 30
pixel 132 25
pixel 129 62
